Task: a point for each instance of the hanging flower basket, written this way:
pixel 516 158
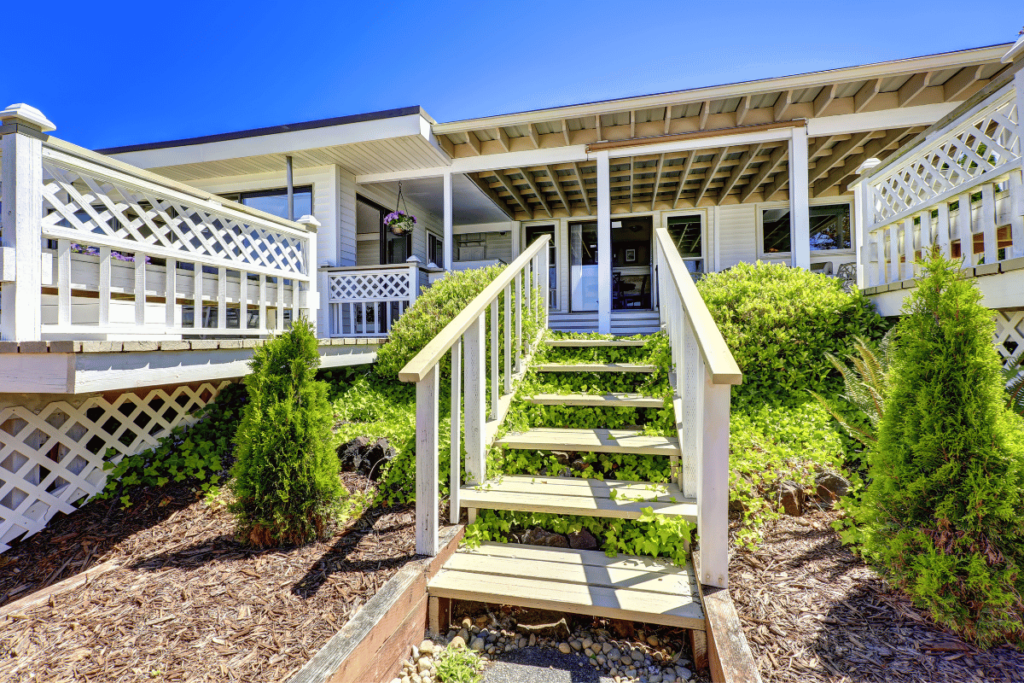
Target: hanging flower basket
pixel 400 221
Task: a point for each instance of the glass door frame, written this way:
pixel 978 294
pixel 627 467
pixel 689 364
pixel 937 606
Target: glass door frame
pixel 556 225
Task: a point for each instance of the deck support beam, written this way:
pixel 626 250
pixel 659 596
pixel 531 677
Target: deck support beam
pixel 604 244
pixel 799 211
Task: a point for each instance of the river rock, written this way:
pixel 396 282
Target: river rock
pixel 538 536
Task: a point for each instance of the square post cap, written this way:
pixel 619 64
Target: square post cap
pixel 28 116
pixel 868 166
pixel 309 222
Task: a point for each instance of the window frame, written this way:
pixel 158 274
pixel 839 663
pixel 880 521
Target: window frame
pixel 826 201
pixel 240 196
pixel 705 236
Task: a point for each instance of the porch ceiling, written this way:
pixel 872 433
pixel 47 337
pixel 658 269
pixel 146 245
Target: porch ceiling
pixel 705 177
pixel 945 78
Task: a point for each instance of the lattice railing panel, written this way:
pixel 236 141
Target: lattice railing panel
pixel 1009 332
pixel 81 203
pixel 978 144
pixel 358 286
pixel 52 460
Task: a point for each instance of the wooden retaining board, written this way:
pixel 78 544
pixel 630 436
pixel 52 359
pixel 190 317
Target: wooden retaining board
pixel 592 441
pixel 577 581
pixel 594 367
pixel 613 400
pixel 576 496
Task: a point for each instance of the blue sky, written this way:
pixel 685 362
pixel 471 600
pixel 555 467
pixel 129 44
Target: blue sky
pixel 117 73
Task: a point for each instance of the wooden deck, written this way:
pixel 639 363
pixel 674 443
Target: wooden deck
pixel 577 581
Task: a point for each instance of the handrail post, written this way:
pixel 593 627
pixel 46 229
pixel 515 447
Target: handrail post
pixel 455 481
pixel 690 380
pixel 713 477
pixel 427 415
pixel 23 130
pixel 314 309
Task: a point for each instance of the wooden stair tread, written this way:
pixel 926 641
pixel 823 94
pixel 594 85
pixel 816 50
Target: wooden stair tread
pixel 577 581
pixel 597 400
pixel 575 496
pixel 592 441
pixel 585 343
pixel 594 367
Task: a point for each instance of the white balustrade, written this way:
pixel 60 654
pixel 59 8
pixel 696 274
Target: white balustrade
pixel 129 254
pixel 468 337
pixel 959 190
pixel 366 300
pixel 703 370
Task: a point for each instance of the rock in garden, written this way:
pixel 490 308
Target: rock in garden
pixel 831 486
pixel 457 641
pixel 366 457
pixel 576 645
pixel 564 648
pixel 652 640
pixel 546 538
pixel 423 665
pixel 559 629
pixel 792 498
pixel 427 647
pixel 477 644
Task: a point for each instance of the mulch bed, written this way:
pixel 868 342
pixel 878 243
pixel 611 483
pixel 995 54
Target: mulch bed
pixel 812 611
pixel 188 602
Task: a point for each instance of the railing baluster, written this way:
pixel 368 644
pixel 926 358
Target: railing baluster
pixel 140 289
pixel 1015 187
pixel 427 416
pixel 222 299
pixel 170 292
pixel 197 296
pixel 495 338
pixel 908 249
pixel 894 253
pixel 507 338
pixel 987 221
pixel 280 304
pixel 476 468
pixel 456 433
pixel 879 258
pixel 263 303
pixel 528 287
pixel 926 233
pixel 964 227
pixel 519 322
pixel 63 282
pixel 942 228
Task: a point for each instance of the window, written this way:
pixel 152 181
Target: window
pixel 829 229
pixel 435 249
pixel 276 201
pixel 484 246
pixel 687 233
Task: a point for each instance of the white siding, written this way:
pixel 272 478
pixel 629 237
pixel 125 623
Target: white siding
pixel 347 217
pixel 737 235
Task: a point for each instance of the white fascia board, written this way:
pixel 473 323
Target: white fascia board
pixel 772 135
pixel 819 78
pixel 282 143
pixel 924 115
pixel 486 162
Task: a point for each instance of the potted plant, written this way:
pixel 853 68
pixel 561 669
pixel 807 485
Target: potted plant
pixel 400 222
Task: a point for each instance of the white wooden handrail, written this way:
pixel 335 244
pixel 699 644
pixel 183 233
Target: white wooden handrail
pixel 702 373
pixel 515 286
pixel 715 353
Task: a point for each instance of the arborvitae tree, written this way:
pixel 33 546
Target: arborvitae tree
pixel 943 515
pixel 285 480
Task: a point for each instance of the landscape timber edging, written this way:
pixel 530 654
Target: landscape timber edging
pixel 372 645
pixel 726 649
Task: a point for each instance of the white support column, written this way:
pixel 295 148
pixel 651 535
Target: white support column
pixel 799 211
pixel 427 416
pixel 861 246
pixel 449 237
pixel 713 475
pixel 604 245
pixel 22 180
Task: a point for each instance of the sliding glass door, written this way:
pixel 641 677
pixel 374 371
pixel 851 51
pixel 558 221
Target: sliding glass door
pixel 583 266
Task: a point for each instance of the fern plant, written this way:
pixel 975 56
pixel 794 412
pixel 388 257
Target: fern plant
pixel 1013 378
pixel 865 385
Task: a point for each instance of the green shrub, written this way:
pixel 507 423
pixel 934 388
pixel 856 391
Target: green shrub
pixel 459 665
pixel 941 517
pixel 780 323
pixel 286 482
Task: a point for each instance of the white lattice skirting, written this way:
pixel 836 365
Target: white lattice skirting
pixel 51 460
pixel 1009 332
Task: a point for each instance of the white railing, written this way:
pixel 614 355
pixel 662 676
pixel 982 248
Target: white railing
pixel 366 300
pixel 95 248
pixel 703 370
pixel 513 290
pixel 973 163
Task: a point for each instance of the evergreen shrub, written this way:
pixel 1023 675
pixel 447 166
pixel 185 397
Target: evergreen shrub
pixel 285 480
pixel 942 516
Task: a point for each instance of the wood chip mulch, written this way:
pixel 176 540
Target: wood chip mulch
pixel 187 602
pixel 812 611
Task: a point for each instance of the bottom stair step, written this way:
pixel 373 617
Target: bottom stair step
pixel 578 581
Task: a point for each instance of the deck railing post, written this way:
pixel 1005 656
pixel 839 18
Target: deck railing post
pixel 689 379
pixel 314 309
pixel 713 475
pixel 23 130
pixel 427 415
pixel 476 386
pixel 456 432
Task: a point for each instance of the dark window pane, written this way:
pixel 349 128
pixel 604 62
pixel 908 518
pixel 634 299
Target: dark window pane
pixel 276 201
pixel 687 235
pixel 830 227
pixel 775 231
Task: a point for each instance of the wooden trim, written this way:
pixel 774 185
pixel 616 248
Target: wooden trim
pixel 695 135
pixel 12 609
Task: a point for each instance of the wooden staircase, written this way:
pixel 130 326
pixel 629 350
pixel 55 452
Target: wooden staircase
pixel 579 581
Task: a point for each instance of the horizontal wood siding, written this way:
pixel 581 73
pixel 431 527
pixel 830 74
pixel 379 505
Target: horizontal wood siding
pixel 737 235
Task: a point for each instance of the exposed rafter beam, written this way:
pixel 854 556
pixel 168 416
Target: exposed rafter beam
pixel 553 175
pixel 474 142
pixel 492 194
pixel 631 181
pixel 632 123
pixel 782 105
pixel 511 189
pixel 687 165
pixel 668 119
pixel 912 88
pixel 738 170
pixel 839 153
pixel 742 110
pixel 866 93
pixel 763 171
pixel 536 191
pixel 565 131
pixel 961 81
pixel 824 98
pixel 657 180
pixel 819 145
pixel 705 110
pixel 531 130
pixel 583 188
pixel 710 174
pixel 447 145
pixel 781 180
pixel 502 136
pixel 597 127
pixel 871 149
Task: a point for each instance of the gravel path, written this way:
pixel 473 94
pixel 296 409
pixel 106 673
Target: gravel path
pixel 542 665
